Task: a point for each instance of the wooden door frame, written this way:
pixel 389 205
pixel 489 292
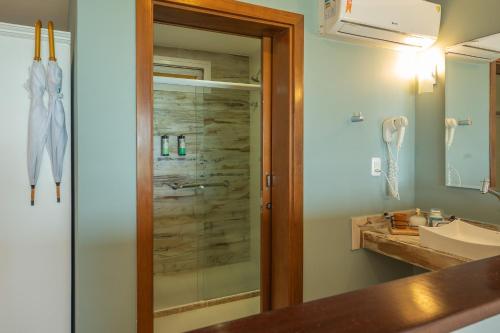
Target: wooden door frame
pixel 494 71
pixel 283 38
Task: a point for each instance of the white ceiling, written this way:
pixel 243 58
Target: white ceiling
pixel 26 12
pixel 191 39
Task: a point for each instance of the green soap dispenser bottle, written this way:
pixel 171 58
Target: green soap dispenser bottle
pixel 164 146
pixel 181 145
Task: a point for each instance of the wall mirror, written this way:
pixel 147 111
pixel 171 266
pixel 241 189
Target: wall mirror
pixel 472 112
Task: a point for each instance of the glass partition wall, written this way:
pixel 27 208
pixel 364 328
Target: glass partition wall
pixel 207 169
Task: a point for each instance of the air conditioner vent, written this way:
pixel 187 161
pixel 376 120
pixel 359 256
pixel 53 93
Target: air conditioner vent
pixel 393 23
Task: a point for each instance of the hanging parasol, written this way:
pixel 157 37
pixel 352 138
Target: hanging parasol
pixel 38 117
pixel 58 136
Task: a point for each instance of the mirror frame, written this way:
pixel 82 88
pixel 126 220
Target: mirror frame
pixel 494 71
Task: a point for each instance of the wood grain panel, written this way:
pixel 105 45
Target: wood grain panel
pixel 287 164
pixel 441 301
pixel 266 221
pixel 282 195
pixel 197 228
pixel 228 16
pixel 297 164
pixel 408 249
pixel 493 124
pixel 241 11
pixel 144 100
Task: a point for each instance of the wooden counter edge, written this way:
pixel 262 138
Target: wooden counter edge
pixel 440 301
pixel 415 255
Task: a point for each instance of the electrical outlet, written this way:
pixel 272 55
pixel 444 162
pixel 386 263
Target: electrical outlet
pixel 376 166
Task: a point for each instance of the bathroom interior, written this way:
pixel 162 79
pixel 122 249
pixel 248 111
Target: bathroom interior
pixel 256 166
pixel 207 143
pixel 210 176
pixel 206 198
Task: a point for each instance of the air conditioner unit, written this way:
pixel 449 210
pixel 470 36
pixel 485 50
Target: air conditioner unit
pixel 482 49
pixel 392 23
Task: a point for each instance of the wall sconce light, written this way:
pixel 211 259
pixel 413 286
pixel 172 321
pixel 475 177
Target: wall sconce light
pixel 429 64
pixel 425 66
pixel 427 80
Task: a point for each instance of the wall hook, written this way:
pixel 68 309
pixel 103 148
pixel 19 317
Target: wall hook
pixel 465 122
pixel 357 117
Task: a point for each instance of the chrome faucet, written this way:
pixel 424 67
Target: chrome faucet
pixel 485 189
pixel 438 223
pixel 443 221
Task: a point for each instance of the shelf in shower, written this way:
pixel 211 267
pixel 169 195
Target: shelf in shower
pixel 205 83
pixel 176 158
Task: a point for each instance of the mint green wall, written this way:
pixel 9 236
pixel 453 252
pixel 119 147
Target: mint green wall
pixel 104 127
pixel 341 79
pixel 463 20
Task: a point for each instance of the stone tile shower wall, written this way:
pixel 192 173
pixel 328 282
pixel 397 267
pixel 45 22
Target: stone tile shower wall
pixel 200 228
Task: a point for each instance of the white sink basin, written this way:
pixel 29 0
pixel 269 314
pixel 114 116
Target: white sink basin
pixel 462 239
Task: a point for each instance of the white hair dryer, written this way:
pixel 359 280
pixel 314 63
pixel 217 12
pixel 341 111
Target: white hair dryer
pixel 450 125
pixel 395 125
pixel 391 126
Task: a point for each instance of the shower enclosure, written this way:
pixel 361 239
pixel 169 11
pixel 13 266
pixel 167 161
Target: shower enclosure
pixel 238 174
pixel 207 183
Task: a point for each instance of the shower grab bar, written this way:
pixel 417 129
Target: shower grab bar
pixel 176 186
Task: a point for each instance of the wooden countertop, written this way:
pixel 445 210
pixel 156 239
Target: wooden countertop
pixel 408 249
pixel 372 232
pixel 440 301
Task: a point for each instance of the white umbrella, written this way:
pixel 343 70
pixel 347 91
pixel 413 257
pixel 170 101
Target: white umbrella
pixel 39 117
pixel 58 136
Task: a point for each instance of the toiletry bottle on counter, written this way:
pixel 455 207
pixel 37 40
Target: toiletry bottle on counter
pixel 181 145
pixel 164 146
pixel 435 217
pixel 417 220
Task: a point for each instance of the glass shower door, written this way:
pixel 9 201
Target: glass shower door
pixel 229 167
pixel 206 194
pixel 177 202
